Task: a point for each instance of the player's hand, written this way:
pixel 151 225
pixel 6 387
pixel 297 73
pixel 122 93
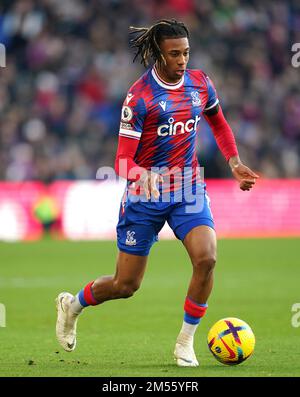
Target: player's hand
pixel 149 181
pixel 243 174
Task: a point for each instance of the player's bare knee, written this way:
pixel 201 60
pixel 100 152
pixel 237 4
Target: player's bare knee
pixel 205 264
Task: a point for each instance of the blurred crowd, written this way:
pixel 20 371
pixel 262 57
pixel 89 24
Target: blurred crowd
pixel 69 67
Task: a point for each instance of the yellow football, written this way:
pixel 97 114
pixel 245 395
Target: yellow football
pixel 231 340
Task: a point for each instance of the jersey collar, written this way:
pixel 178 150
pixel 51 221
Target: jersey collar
pixel 163 83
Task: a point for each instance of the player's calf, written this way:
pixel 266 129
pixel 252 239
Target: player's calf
pixel 125 289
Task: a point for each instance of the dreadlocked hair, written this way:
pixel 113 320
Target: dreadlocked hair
pixel 147 40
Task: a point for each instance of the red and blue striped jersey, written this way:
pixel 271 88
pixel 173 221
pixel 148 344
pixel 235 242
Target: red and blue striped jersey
pixel 165 118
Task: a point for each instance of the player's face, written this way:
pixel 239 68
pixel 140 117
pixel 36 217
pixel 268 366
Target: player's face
pixel 176 54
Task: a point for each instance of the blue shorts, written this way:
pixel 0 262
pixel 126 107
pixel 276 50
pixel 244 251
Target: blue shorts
pixel 140 221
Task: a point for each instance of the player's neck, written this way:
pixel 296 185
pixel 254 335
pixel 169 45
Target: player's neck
pixel 164 77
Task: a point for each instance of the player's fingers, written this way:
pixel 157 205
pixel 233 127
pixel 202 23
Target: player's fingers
pixel 246 185
pixel 155 193
pixel 146 188
pixel 249 181
pixel 149 187
pixel 253 174
pixel 154 189
pixel 247 172
pixel 244 188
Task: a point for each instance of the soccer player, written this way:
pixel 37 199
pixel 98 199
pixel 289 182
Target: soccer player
pixel 157 142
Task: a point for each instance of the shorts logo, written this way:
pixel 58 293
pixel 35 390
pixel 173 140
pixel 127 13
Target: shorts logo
pixel 130 240
pixel 196 100
pixel 126 113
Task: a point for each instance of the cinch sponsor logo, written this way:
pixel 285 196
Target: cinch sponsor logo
pixel 177 128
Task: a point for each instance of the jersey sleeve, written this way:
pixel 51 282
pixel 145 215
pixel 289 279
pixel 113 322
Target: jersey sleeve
pixel 213 99
pixel 132 116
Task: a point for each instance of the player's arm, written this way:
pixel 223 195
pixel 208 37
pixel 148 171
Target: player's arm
pixel 125 165
pixel 226 142
pixel 131 127
pixel 127 168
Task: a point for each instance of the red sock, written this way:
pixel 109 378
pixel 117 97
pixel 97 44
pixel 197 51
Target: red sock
pixel 86 296
pixel 193 311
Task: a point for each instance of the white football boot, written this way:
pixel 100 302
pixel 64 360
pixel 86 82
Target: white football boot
pixel 66 322
pixel 184 351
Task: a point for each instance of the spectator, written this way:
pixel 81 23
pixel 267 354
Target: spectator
pixel 68 67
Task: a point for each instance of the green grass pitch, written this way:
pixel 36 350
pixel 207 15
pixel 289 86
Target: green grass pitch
pixel 255 280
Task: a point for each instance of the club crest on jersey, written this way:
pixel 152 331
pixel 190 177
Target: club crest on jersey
pixel 196 100
pixel 130 240
pixel 126 113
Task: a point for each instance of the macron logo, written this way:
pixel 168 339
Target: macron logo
pixel 163 105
